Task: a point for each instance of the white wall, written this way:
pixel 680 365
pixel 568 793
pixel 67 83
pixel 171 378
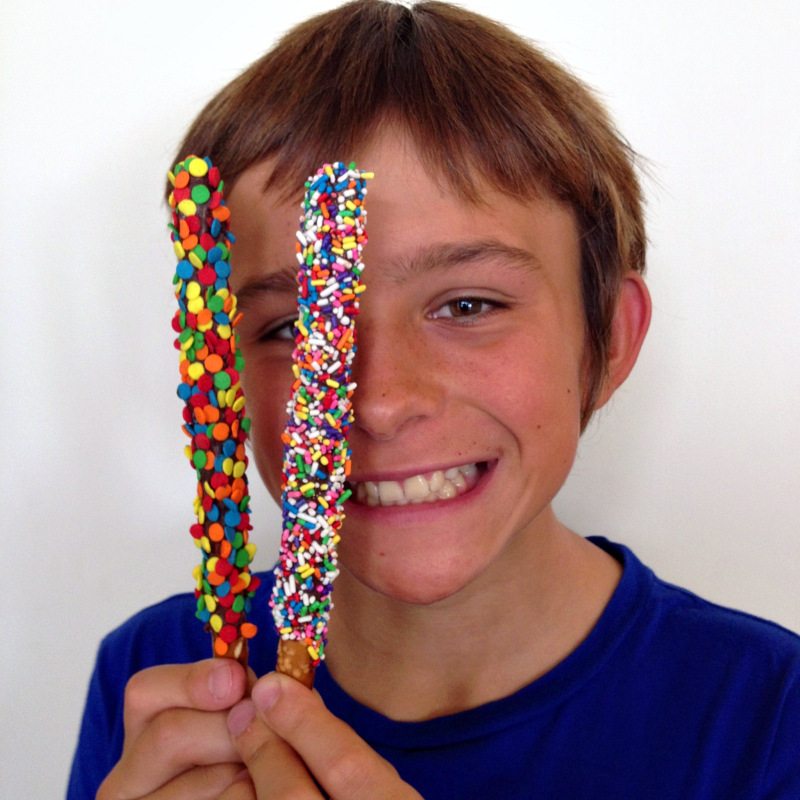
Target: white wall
pixel 695 464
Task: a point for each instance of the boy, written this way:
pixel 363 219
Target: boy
pixel 478 648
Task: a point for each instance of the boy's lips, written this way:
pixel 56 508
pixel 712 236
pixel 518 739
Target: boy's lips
pixel 425 487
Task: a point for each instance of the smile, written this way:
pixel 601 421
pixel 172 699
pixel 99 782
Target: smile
pixel 423 488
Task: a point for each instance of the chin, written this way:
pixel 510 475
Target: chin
pixel 420 581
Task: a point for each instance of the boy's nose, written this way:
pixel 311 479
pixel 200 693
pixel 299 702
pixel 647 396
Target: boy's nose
pixel 396 386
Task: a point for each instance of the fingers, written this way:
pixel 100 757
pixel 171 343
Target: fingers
pixel 284 723
pixel 209 685
pixel 177 743
pixel 275 768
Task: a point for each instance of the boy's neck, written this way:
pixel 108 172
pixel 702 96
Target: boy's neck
pixel 417 662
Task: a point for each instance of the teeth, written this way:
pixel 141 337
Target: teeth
pixel 440 485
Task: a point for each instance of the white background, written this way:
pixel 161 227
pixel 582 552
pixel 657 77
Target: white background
pixel 695 464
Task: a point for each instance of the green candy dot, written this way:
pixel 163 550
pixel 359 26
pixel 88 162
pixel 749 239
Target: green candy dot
pixel 200 194
pixel 242 559
pixel 245 425
pixel 199 459
pixel 200 252
pixel 222 380
pixel 215 303
pixel 237 541
pixel 238 604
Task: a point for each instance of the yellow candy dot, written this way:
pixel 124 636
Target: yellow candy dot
pixel 227 466
pixel 224 331
pixel 187 207
pixel 251 549
pixel 193 289
pixel 238 404
pixel 215 622
pixel 238 469
pixel 198 167
pixel 230 396
pixel 195 261
pixel 178 248
pixel 211 603
pixel 211 564
pixel 196 371
pixel 196 306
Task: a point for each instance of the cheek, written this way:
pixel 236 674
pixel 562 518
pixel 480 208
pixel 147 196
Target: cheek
pixel 266 406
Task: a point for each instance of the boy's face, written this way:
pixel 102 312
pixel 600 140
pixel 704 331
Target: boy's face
pixel 470 342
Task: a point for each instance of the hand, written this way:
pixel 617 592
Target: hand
pixel 177 743
pixel 291 744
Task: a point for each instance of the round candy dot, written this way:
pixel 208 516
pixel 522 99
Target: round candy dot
pixel 201 194
pixel 187 207
pixel 184 270
pixel 196 370
pixel 222 380
pixel 221 433
pixel 248 630
pixel 214 363
pixel 182 179
pixel 199 459
pixel 197 167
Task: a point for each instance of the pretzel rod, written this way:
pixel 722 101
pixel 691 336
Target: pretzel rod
pixel 213 414
pixel 316 453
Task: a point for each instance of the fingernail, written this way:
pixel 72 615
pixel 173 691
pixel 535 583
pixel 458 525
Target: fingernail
pixel 240 717
pixel 265 693
pixel 220 681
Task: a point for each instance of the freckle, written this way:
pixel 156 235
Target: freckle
pixel 538 427
pixel 382 555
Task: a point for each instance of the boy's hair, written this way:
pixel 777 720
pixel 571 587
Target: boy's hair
pixel 482 105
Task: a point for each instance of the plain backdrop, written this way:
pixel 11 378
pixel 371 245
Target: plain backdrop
pixel 695 464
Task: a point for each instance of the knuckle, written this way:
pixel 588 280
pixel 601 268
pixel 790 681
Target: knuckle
pixel 348 774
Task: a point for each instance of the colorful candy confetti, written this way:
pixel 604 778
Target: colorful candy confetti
pixel 214 416
pixel 316 453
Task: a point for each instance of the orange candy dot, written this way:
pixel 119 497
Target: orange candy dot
pixel 182 179
pixel 248 630
pixel 215 580
pixel 213 363
pixel 190 242
pixel 200 415
pixel 225 548
pixel 212 413
pixel 220 647
pixel 222 213
pixel 183 228
pixel 216 532
pixel 221 431
pixel 204 316
pixel 202 353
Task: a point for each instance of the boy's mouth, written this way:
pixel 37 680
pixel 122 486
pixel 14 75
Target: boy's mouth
pixel 424 488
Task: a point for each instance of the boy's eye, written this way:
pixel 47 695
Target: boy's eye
pixel 280 332
pixel 464 307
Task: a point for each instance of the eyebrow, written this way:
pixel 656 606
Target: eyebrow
pixel 437 258
pixel 284 280
pixel 450 255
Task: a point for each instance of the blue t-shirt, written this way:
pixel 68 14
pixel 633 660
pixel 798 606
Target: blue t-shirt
pixel 668 697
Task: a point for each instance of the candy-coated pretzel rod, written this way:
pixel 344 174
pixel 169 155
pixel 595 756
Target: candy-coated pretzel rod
pixel 316 453
pixel 214 415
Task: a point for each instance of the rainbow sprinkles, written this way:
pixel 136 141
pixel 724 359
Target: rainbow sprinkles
pixel 316 452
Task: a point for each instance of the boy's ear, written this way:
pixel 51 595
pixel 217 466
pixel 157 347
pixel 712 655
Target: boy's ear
pixel 631 321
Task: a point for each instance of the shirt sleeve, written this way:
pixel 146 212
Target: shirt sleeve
pixel 101 733
pixel 782 776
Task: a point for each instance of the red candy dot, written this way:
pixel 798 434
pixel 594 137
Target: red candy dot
pixel 194 223
pixel 207 276
pixel 207 241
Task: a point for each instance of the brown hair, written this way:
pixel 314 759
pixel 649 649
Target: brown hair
pixel 481 103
